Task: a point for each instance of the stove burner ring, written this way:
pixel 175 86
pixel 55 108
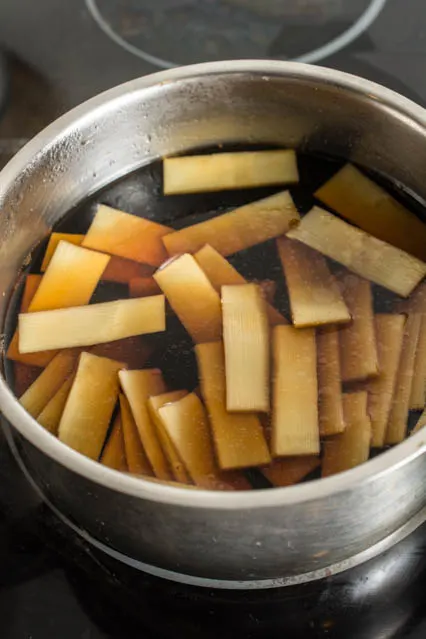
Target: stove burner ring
pixel 332 47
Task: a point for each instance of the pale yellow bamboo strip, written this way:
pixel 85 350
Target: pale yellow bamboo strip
pixel 223 171
pixel 352 447
pixel 237 230
pixel 361 253
pixel 295 429
pixel 358 348
pixel 239 439
pixel 246 340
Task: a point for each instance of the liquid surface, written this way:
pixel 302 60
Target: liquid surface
pixel 141 193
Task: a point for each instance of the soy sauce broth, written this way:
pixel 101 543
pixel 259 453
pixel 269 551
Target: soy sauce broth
pixel 141 193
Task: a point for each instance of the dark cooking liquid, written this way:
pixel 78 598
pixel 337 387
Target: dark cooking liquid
pixel 140 193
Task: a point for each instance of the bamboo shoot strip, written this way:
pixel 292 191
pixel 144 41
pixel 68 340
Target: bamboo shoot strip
pixel 239 439
pixel 358 349
pixel 330 405
pixel 420 424
pixel 221 273
pixel 295 429
pixel 416 304
pixel 143 286
pixel 154 404
pixel 361 253
pixel 237 230
pixel 122 271
pixel 390 334
pixel 364 203
pixel 187 426
pixel 398 418
pixel 49 382
pixel 90 404
pixel 246 340
pixel 89 325
pixel 51 414
pixel 32 282
pixel 315 298
pixel 138 387
pixel 114 454
pixel 137 460
pixel 41 359
pixel 286 472
pixel 352 447
pixel 53 242
pixel 418 389
pixel 192 298
pixel 70 279
pixel 125 235
pixel 224 171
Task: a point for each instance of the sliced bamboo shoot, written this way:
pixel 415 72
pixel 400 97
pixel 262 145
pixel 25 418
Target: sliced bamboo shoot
pixel 358 349
pixel 330 405
pixel 231 232
pixel 138 387
pixel 192 298
pixel 286 472
pixel 398 418
pixel 363 254
pixel 416 304
pixel 90 404
pixel 185 422
pixel 122 271
pixel 70 279
pixel 315 298
pixel 420 424
pixel 143 286
pixel 51 414
pixel 32 282
pixel 41 359
pixel 364 203
pixel 389 334
pixel 239 439
pixel 224 171
pixel 246 340
pixel 49 382
pixel 295 428
pixel 53 242
pixel 114 454
pixel 137 460
pixel 221 273
pixel 418 389
pixel 93 324
pixel 134 238
pixel 154 404
pixel 352 447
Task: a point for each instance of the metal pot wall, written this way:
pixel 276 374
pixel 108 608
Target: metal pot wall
pixel 260 538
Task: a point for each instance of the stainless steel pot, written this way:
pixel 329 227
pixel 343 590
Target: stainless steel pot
pixel 252 539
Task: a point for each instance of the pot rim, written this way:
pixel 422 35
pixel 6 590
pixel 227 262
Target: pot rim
pixel 143 488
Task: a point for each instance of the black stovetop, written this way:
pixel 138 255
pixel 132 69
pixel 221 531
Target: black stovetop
pixel 51 583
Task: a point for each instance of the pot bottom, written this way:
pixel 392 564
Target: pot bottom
pixel 355 560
